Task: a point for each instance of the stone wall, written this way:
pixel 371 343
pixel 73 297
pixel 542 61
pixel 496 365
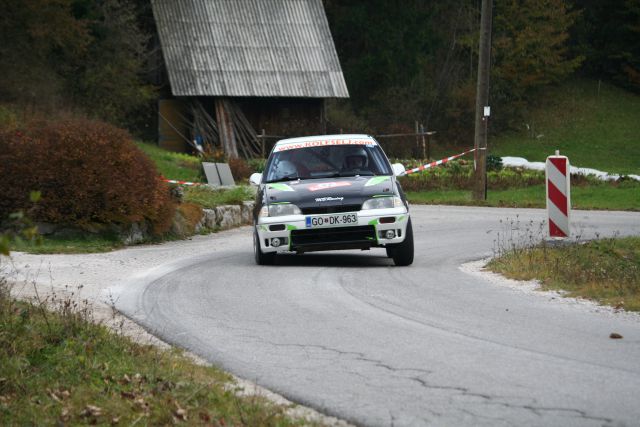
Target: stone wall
pixel 226 216
pixel 218 218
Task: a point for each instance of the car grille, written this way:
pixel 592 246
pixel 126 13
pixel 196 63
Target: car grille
pixel 317 237
pixel 315 210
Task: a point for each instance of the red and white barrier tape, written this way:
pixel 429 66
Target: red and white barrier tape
pixel 173 181
pixel 439 162
pixel 414 170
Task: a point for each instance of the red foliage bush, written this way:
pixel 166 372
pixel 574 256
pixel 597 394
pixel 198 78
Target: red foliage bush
pixel 239 169
pixel 87 171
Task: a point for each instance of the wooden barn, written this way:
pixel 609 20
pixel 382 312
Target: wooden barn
pixel 240 69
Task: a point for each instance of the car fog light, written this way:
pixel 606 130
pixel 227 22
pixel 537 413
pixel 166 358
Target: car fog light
pixel 275 242
pixel 390 234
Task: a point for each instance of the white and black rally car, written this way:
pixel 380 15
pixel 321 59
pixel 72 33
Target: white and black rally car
pixel 330 192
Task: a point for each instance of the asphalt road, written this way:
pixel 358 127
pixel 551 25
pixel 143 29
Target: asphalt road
pixel 352 335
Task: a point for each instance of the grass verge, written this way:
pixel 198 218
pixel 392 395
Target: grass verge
pixel 606 270
pixel 58 368
pixel 208 197
pixel 86 244
pixel 178 166
pixel 595 124
pixel 625 196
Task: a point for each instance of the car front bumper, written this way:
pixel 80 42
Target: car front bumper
pixel 290 233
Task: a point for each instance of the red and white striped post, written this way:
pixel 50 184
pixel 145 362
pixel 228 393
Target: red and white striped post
pixel 558 195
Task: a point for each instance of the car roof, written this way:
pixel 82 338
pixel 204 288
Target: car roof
pixel 324 140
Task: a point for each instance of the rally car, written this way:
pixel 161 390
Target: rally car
pixel 327 193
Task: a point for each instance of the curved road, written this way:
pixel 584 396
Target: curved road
pixel 353 336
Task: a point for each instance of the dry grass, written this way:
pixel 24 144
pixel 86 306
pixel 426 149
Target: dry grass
pixel 604 270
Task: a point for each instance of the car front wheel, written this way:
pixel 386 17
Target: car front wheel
pixel 402 253
pixel 261 257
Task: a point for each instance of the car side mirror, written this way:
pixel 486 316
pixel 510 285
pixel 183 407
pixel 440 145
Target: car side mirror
pixel 398 169
pixel 255 178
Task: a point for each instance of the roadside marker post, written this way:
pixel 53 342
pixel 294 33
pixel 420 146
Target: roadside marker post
pixel 558 178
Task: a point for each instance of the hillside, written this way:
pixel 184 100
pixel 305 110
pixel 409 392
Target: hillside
pixel 595 127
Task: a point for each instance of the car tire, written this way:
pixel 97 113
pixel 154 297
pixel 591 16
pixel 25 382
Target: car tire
pixel 261 257
pixel 402 253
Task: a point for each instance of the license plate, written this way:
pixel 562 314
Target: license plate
pixel 335 220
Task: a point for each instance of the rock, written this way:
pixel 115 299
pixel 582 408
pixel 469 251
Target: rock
pixel 247 212
pixel 177 192
pixel 135 233
pixel 615 336
pixel 228 216
pixel 209 218
pixel 45 228
pixel 68 232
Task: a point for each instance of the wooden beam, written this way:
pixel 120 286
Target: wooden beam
pixel 226 128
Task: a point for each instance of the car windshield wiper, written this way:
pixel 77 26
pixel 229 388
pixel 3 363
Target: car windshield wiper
pixel 362 173
pixel 291 177
pixel 285 178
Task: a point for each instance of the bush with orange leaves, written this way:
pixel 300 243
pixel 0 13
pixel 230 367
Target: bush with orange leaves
pixel 239 169
pixel 90 174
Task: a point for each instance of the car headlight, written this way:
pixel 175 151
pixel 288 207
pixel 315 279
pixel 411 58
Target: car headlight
pixel 383 203
pixel 280 209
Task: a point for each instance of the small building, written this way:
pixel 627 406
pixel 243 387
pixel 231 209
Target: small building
pixel 237 68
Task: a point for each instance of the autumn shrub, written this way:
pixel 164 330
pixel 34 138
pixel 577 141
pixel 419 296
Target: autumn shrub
pixel 239 169
pixel 88 172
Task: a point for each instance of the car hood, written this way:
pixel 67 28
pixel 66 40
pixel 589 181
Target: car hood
pixel 317 193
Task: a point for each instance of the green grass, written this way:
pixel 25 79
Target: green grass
pixel 60 369
pixel 208 197
pixel 594 129
pixel 178 166
pixel 607 270
pixel 602 197
pixel 86 244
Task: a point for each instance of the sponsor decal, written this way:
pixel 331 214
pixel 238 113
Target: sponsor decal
pixel 323 143
pixel 376 180
pixel 329 199
pixel 281 187
pixel 328 185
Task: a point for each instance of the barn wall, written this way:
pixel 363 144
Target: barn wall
pixel 285 116
pixel 171 125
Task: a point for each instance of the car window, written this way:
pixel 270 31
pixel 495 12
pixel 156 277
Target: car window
pixel 327 161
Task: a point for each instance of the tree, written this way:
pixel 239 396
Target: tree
pixel 38 41
pixel 65 54
pixel 608 36
pixel 382 46
pixel 111 82
pixel 530 49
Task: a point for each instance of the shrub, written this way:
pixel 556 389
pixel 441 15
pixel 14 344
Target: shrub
pixel 8 118
pixel 494 163
pixel 458 175
pixel 239 169
pixel 257 165
pixel 88 173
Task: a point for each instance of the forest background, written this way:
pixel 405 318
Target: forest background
pixel 403 60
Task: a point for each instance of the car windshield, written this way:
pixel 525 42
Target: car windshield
pixel 327 161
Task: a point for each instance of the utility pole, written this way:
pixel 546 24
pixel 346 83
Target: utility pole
pixel 482 103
